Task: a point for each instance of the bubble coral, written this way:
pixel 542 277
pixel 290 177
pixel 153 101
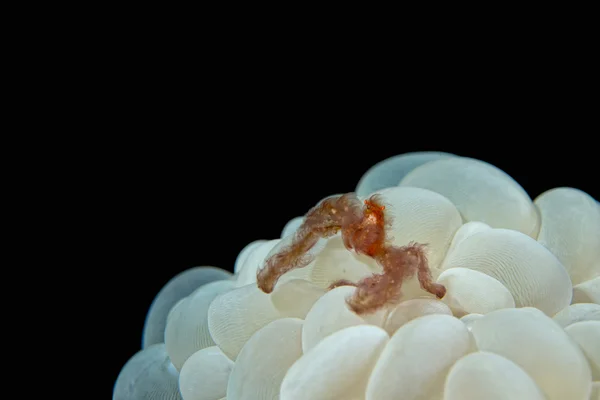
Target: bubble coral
pixel 177 288
pixel 438 278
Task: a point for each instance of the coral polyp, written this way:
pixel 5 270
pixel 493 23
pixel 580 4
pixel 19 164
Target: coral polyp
pixel 363 230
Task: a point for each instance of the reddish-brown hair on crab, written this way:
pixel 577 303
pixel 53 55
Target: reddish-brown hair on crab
pixel 364 231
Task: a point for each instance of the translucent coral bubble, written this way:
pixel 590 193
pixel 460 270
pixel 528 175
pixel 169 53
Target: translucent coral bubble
pixel 410 309
pixel 577 313
pixel 265 359
pixel 389 172
pixel 529 338
pixel 480 191
pixel 296 297
pixel 243 255
pixel 236 315
pixel 148 375
pixel 587 336
pixel 414 363
pixel 205 374
pixel 180 286
pixel 176 309
pixel 187 324
pixel 587 292
pixel 470 319
pixel 466 230
pixel 488 376
pixel 469 291
pixel 292 226
pixel 595 395
pixel 338 367
pixel 423 216
pixel 335 263
pixel 571 231
pixel 247 273
pixel 531 273
pixel 330 314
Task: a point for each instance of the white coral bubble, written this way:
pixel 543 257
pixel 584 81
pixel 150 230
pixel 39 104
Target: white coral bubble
pixel 205 374
pixel 595 395
pixel 531 273
pixel 414 363
pixel 180 286
pixel 389 172
pixel 571 230
pixel 265 359
pixel 420 215
pixel 148 375
pixel 295 298
pixel 187 324
pixel 469 291
pixel 338 367
pixel 587 336
pixel 243 255
pixel 576 313
pixel 255 258
pixel 466 230
pixel 414 308
pixel 330 314
pixel 587 292
pixel 488 376
pixel 470 319
pixel 335 262
pixel 529 338
pixel 480 191
pixel 236 315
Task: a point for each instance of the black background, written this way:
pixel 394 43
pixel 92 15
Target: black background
pixel 180 204
pixel 193 139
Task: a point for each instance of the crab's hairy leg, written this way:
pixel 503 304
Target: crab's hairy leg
pixel 291 257
pixel 322 221
pixel 399 263
pixel 375 292
pixel 341 282
pixel 412 259
pixel 424 273
pixel 380 290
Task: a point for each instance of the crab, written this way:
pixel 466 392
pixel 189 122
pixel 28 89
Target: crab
pixel 363 229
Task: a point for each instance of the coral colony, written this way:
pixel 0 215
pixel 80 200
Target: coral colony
pixel 437 278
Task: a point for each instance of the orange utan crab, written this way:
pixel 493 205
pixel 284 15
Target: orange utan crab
pixel 363 229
